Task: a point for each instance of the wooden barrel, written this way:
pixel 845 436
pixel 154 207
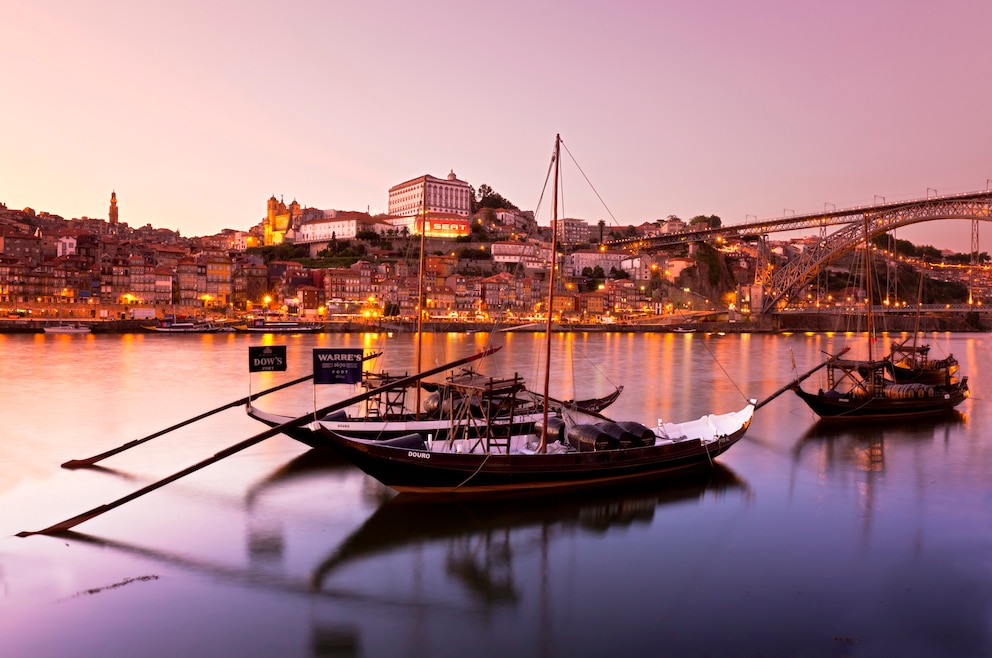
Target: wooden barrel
pixel 644 433
pixel 615 431
pixel 590 437
pixel 556 429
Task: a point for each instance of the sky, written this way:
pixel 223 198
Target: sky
pixel 195 112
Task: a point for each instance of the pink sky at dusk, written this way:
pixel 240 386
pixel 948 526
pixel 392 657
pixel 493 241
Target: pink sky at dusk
pixel 195 113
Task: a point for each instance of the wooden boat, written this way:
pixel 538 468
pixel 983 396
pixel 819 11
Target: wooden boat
pixel 461 405
pixel 859 389
pixel 588 451
pixel 912 364
pixel 260 325
pixel 568 449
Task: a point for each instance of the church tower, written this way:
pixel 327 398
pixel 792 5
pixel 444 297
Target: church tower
pixel 113 207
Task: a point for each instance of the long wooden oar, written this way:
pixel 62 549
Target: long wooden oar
pixel 795 382
pixel 89 461
pixel 247 443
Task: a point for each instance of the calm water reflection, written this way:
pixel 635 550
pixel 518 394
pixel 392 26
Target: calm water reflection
pixel 811 538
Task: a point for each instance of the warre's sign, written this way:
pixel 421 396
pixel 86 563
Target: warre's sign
pixel 337 366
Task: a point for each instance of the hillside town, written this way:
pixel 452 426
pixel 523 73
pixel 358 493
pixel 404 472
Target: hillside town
pixel 481 263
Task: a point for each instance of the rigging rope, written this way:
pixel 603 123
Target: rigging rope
pixel 720 365
pixel 590 184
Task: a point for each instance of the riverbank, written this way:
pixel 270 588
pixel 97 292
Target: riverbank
pixel 785 323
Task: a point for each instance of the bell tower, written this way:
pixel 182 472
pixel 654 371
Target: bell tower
pixel 113 207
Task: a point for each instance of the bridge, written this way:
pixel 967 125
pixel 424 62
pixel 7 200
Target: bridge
pixel 781 285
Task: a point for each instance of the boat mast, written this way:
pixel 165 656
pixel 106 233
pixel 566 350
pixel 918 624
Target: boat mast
pixel 551 294
pixel 420 292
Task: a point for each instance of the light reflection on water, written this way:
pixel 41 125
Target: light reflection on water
pixel 810 539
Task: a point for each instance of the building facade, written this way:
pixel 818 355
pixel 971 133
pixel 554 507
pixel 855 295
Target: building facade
pixel 435 195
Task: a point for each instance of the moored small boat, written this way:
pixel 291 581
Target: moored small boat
pixel 260 325
pixel 912 364
pixel 183 327
pixel 859 389
pixel 71 328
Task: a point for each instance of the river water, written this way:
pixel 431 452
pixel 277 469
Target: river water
pixel 867 539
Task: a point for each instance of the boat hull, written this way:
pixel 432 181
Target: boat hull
pixel 933 376
pixel 835 406
pixel 67 329
pixel 384 430
pixel 280 328
pixel 411 469
pixel 174 329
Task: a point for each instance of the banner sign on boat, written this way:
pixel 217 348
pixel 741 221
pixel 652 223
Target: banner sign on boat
pixel 268 358
pixel 337 366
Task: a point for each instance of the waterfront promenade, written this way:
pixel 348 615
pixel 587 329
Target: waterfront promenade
pixel 786 323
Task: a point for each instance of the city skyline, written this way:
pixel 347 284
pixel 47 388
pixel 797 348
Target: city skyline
pixel 196 114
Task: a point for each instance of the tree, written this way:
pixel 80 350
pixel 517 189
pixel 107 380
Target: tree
pixel 487 197
pixel 705 221
pixel 284 251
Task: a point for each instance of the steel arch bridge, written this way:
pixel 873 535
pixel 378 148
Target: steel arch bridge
pixel 799 272
pixel 779 286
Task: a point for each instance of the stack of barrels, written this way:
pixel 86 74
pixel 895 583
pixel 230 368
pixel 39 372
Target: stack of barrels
pixel 604 435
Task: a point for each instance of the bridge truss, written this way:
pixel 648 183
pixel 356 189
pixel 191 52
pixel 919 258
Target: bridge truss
pixel 782 284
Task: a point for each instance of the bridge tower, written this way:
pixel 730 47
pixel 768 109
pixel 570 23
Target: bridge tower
pixel 974 260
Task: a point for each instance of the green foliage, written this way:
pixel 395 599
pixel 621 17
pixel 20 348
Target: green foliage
pixel 328 261
pixel 925 252
pixel 713 261
pixel 280 252
pixel 468 253
pixel 487 197
pixel 479 232
pixel 368 235
pixel 965 259
pixel 343 249
pixel 705 221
